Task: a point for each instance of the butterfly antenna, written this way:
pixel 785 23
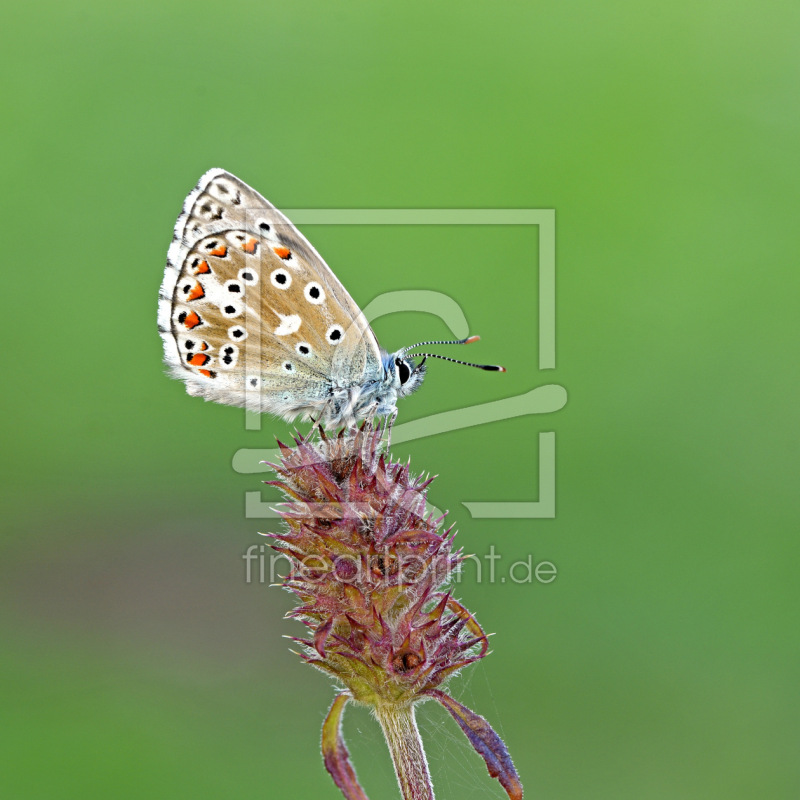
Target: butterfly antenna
pixel 468 340
pixel 489 367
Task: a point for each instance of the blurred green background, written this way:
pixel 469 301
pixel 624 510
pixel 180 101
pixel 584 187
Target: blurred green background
pixel 663 661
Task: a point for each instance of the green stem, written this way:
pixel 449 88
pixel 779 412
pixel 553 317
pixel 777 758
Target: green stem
pixel 405 745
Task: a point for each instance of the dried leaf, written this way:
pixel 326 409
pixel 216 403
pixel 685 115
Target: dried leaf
pixel 335 755
pixel 483 738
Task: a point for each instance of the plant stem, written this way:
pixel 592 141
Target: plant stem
pixel 405 745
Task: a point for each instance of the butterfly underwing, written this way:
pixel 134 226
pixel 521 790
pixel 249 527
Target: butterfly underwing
pixel 251 316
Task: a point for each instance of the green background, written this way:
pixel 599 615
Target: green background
pixel 663 661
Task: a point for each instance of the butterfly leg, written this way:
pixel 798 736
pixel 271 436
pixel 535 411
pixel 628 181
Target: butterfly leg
pixel 323 415
pixel 388 425
pixel 350 412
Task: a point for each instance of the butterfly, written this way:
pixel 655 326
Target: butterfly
pixel 251 316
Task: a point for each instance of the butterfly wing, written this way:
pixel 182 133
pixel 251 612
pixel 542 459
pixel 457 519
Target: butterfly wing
pixel 250 314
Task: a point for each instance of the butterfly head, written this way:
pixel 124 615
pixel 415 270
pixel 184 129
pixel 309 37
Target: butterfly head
pixel 406 375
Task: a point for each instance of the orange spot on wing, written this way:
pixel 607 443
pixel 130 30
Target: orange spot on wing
pixel 250 246
pixel 198 359
pixel 283 252
pixel 220 251
pixel 208 373
pixel 202 268
pixel 197 292
pixel 192 320
pixel 204 345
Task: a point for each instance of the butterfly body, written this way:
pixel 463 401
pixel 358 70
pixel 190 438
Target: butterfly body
pixel 251 316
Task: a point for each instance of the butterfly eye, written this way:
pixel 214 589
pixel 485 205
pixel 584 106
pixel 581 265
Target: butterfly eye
pixel 403 371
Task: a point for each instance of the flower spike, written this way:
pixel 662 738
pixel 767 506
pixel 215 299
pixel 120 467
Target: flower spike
pixel 370 571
